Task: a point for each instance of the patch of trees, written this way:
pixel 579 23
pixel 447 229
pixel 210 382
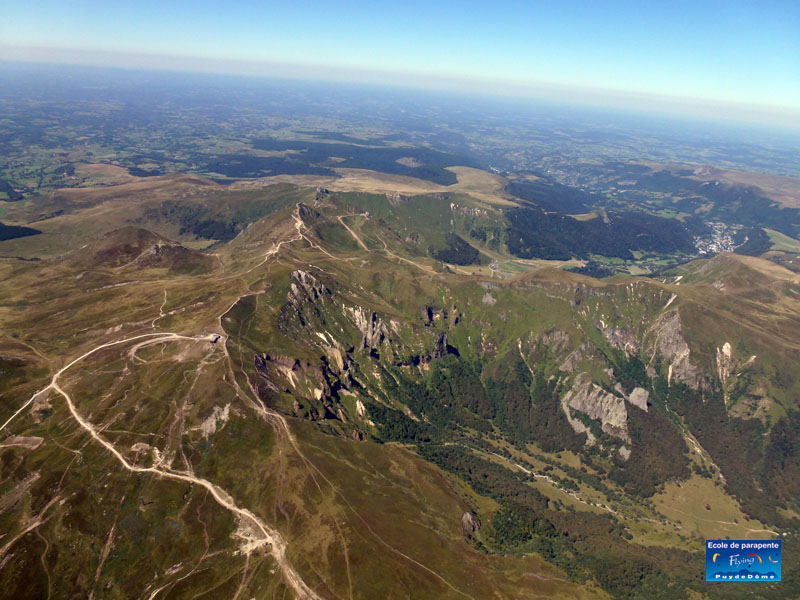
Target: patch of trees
pixel 548 424
pixel 458 382
pixel 210 229
pixel 731 203
pixel 138 172
pixel 588 546
pixel 517 525
pixel 509 384
pixel 396 426
pixel 529 409
pixel 754 241
pixel 449 397
pixel 406 390
pixel 246 166
pixel 431 163
pixel 478 234
pixel 453 395
pixel 667 182
pixel 487 235
pixel 658 453
pixel 762 471
pixel 552 196
pixel 66 170
pixel 533 233
pixel 628 370
pixel 457 251
pixel 341 137
pixel 743 204
pixel 734 444
pixel 525 407
pixel 585 545
pixel 593 268
pixel 485 477
pixel 9 190
pixel 10 232
pixel 782 458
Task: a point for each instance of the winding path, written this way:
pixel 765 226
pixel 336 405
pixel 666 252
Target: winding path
pixel 267 536
pixel 696 518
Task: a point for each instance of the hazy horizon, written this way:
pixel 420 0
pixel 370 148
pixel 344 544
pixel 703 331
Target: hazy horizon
pixel 716 59
pixel 654 104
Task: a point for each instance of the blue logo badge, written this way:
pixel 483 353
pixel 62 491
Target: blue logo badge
pixel 743 560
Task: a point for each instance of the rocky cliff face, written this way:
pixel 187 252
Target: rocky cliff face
pixel 306 213
pixel 668 341
pixel 351 339
pixel 589 398
pixel 355 342
pixel 620 338
pixel 374 330
pixel 470 524
pixel 724 363
pixel 638 397
pixel 598 404
pixel 729 369
pixel 305 284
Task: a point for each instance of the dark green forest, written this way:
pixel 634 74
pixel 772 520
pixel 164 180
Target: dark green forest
pixel 9 232
pixel 534 233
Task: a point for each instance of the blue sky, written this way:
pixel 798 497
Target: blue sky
pixel 735 52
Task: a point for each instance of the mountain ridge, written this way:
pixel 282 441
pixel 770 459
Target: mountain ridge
pixel 562 411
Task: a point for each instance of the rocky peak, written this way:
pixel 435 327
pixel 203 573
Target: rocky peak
pixel 304 283
pixel 315 388
pixel 373 329
pixel 306 213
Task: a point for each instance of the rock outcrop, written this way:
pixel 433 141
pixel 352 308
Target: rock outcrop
pixel 724 363
pixel 600 405
pixel 398 199
pixel 620 338
pixel 468 211
pixel 440 317
pixel 729 368
pixel 315 388
pixel 573 359
pixel 638 397
pixel 671 345
pixel 373 329
pixel 304 283
pixel 306 213
pixel 470 524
